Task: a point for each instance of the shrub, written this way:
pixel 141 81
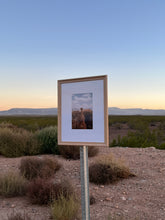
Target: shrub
pixel 41 191
pixel 137 139
pixel 12 184
pixel 107 170
pixel 7 125
pixel 32 146
pixel 162 146
pixel 17 142
pixel 65 208
pixel 63 188
pixel 162 125
pixel 32 167
pixel 138 124
pixel 19 216
pixel 47 138
pixel 30 123
pixel 73 152
pixel 118 126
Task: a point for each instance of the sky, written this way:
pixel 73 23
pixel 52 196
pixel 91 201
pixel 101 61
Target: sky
pixel 42 41
pixel 82 100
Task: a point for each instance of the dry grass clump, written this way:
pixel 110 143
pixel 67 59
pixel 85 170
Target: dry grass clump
pixel 12 184
pixel 16 142
pixel 73 152
pixel 7 125
pixel 41 191
pixel 65 208
pixel 108 169
pixel 33 167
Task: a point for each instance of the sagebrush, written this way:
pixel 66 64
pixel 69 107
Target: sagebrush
pixel 41 191
pixel 16 142
pixel 107 169
pixel 33 167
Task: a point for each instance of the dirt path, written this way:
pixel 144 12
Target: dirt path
pixel 140 197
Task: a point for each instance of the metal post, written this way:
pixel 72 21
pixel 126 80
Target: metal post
pixel 84 183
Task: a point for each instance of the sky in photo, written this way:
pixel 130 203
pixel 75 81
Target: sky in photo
pixel 82 100
pixel 42 41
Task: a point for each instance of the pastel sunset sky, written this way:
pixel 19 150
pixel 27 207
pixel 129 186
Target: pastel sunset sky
pixel 42 41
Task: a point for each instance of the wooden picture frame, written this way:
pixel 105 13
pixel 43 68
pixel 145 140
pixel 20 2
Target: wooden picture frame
pixel 83 111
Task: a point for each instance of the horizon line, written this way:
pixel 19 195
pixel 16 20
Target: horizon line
pixel 108 107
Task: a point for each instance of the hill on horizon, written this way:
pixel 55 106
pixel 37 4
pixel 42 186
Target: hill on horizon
pixel 54 111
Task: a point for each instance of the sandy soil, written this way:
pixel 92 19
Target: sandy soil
pixel 140 197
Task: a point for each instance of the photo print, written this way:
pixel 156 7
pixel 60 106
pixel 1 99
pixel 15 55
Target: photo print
pixel 82 111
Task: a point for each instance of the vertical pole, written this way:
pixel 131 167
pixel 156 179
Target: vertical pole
pixel 84 183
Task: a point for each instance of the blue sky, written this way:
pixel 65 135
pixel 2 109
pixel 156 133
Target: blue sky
pixel 42 41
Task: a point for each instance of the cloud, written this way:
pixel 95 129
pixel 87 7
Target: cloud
pixel 82 100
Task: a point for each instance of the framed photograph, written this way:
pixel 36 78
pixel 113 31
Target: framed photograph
pixel 83 111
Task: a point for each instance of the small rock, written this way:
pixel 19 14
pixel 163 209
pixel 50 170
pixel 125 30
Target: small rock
pixel 12 206
pixel 162 169
pixel 108 199
pixel 123 198
pixel 102 186
pixel 96 188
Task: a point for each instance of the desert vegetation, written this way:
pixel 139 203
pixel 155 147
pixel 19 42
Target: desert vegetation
pixel 36 181
pixel 64 208
pixel 12 184
pixel 33 137
pixel 73 152
pixel 16 142
pixel 107 169
pixel 143 131
pixel 33 167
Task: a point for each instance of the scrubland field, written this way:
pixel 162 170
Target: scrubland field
pixel 40 180
pixel 126 131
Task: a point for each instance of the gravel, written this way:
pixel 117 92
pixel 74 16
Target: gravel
pixel 140 197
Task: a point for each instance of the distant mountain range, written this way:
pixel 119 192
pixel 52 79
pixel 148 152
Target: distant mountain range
pixel 53 111
pixel 135 111
pixel 30 111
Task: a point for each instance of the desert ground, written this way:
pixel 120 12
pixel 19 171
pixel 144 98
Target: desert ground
pixel 140 197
